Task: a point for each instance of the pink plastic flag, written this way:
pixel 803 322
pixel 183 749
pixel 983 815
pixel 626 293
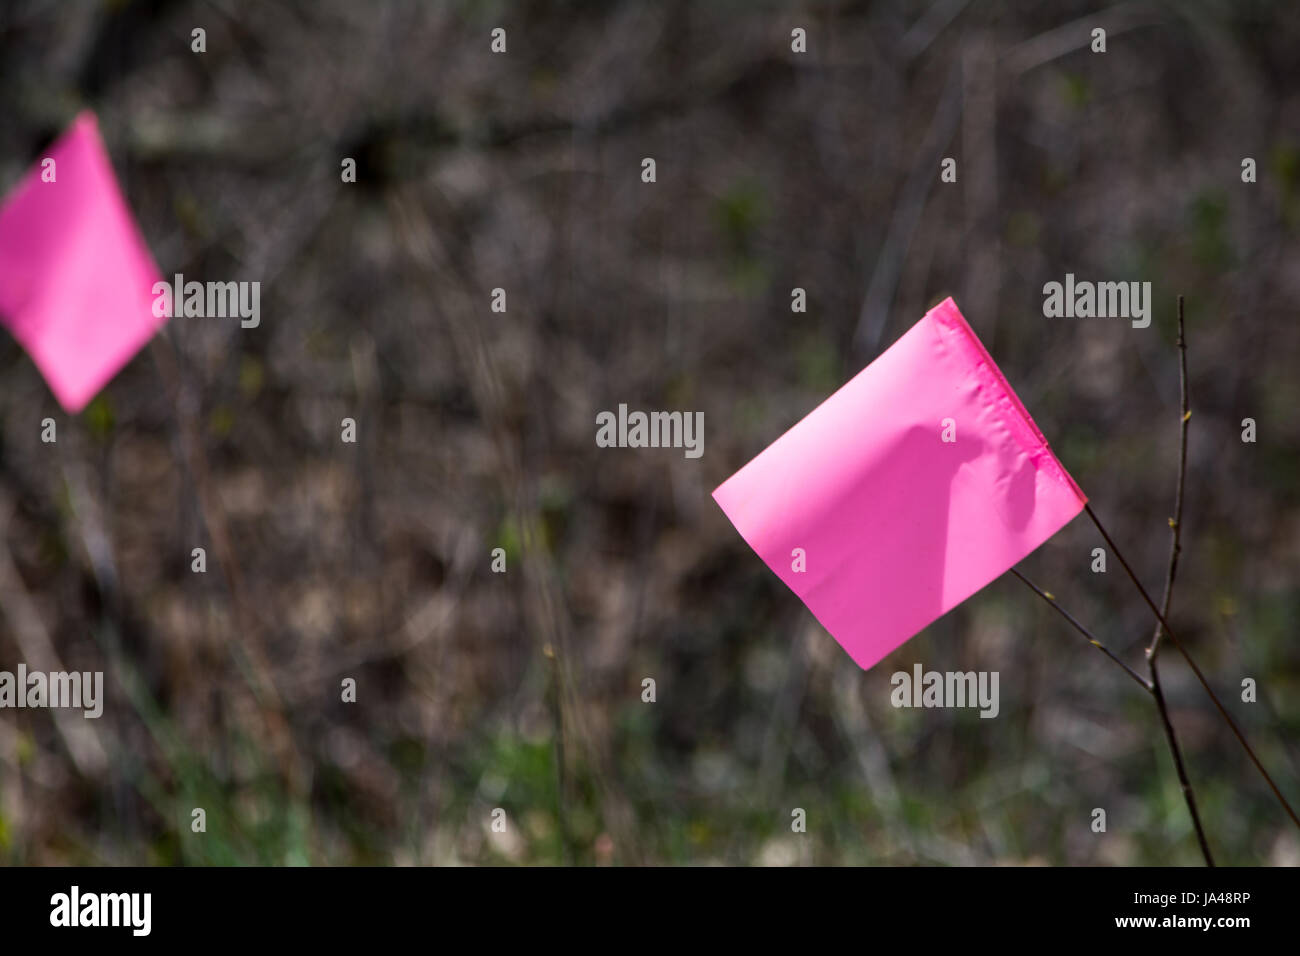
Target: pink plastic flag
pixel 76 279
pixel 913 486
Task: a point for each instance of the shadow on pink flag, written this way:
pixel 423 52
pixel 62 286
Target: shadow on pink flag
pixel 76 279
pixel 896 524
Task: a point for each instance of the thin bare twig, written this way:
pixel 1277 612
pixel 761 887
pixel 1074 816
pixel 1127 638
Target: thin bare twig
pixel 1051 599
pixel 1188 794
pixel 1176 529
pixel 1227 718
pixel 1176 522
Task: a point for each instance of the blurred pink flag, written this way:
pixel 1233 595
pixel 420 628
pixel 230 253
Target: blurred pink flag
pixel 76 279
pixel 913 486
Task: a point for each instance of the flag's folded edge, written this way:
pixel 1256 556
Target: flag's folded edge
pixel 960 336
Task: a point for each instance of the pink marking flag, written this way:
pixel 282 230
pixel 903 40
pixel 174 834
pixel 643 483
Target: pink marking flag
pixel 909 489
pixel 76 279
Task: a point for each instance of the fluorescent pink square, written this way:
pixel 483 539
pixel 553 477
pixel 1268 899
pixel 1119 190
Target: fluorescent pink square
pixel 897 525
pixel 76 279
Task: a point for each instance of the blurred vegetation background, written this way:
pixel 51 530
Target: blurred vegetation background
pixel 476 429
